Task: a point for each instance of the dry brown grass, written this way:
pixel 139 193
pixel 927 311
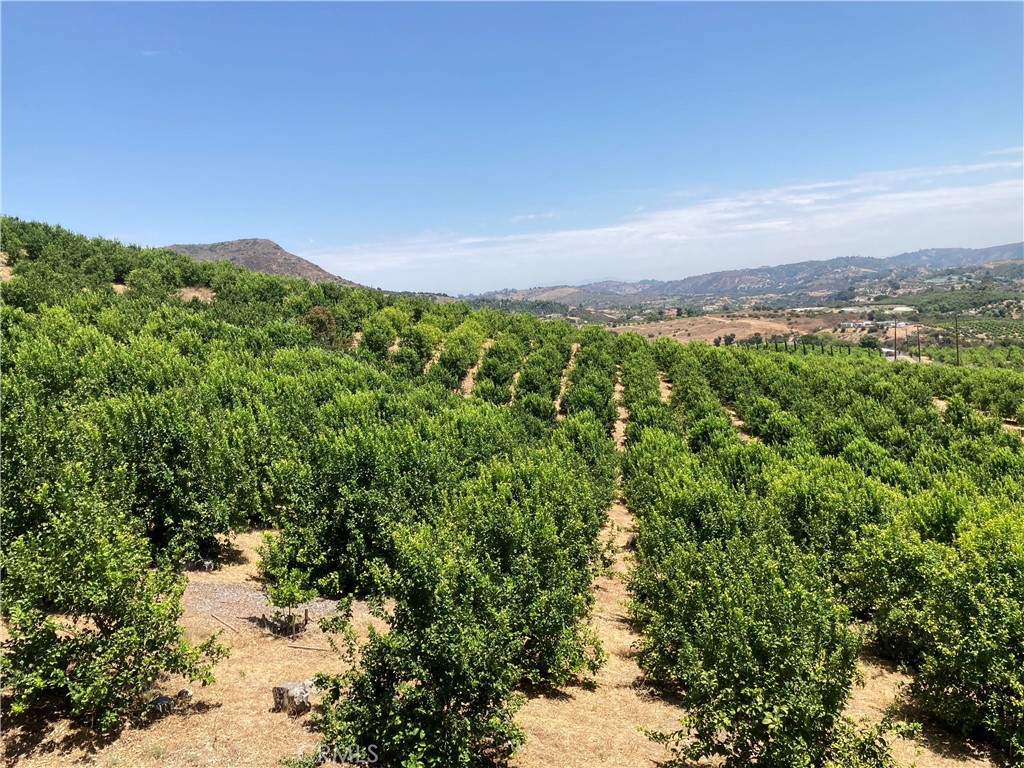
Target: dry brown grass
pixel 190 292
pixel 592 723
pixel 619 431
pixel 708 327
pixel 119 288
pixel 598 723
pixel 884 684
pixel 664 388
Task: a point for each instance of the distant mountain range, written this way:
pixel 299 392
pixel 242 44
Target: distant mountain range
pixel 262 256
pixel 805 278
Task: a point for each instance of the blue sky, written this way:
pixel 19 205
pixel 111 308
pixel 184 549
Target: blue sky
pixel 465 147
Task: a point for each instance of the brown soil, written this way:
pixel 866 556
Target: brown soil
pixel 515 382
pixel 202 293
pixel 738 423
pixel 664 388
pixel 5 271
pixel 119 288
pixel 433 358
pixel 470 379
pixel 357 336
pixel 565 379
pixel 619 432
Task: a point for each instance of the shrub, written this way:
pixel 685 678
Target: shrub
pixel 437 689
pixel 971 671
pixel 761 655
pixel 90 621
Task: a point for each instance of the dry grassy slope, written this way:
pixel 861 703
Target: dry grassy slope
pixel 260 255
pixel 707 327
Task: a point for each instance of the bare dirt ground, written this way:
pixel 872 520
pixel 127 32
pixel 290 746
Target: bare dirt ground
pixel 599 724
pixel 200 292
pixel 619 432
pixel 433 358
pixel 664 388
pixel 737 422
pixel 565 379
pixel 229 723
pixel 5 271
pixel 470 379
pixel 119 288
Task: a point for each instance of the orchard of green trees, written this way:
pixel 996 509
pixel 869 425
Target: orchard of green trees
pixel 140 431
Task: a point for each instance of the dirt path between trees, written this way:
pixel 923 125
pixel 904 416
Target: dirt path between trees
pixel 470 379
pixel 565 379
pixel 664 388
pixel 739 425
pixel 597 723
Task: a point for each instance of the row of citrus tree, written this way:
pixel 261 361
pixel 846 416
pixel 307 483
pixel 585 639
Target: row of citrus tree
pixel 857 499
pixel 140 430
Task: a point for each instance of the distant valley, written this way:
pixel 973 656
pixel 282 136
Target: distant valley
pixel 845 278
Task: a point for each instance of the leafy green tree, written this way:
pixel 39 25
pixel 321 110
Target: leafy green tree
pixel 762 657
pixel 91 621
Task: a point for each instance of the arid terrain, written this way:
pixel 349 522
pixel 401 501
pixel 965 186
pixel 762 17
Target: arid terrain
pixel 743 324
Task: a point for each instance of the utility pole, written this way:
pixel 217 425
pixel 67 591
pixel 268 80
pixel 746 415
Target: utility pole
pixel 895 352
pixel 956 320
pixel 919 344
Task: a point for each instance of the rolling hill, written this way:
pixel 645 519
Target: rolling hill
pixel 863 274
pixel 260 255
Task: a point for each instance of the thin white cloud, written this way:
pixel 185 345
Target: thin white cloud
pixel 1007 151
pixel 871 214
pixel 531 217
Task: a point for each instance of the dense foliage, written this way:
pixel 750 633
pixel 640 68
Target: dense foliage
pixel 790 507
pixel 883 492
